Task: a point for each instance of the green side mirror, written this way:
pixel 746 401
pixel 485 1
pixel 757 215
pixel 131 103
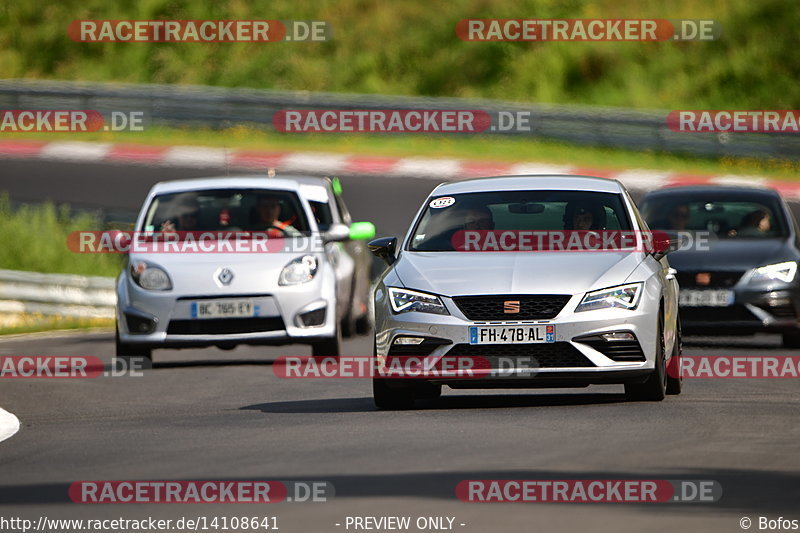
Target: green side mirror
pixel 361 231
pixel 337 186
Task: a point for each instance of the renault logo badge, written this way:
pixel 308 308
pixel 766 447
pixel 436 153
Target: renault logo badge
pixel 225 276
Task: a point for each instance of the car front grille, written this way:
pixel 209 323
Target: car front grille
pixel 720 280
pixel 497 307
pixel 224 326
pixel 548 355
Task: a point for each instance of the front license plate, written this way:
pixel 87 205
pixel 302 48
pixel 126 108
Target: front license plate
pixel 223 309
pixel 706 298
pixel 511 334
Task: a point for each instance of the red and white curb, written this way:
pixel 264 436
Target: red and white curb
pixel 333 163
pixel 9 424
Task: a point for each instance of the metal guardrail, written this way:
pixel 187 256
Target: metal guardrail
pixel 181 105
pixel 56 294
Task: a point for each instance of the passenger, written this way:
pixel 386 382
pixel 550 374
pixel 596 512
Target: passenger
pixel 265 217
pixel 755 224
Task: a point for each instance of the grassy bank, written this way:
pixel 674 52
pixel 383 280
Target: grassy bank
pixel 411 48
pixel 34 238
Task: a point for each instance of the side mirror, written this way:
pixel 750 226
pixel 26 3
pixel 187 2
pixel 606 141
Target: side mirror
pixel 384 248
pixel 336 233
pixel 664 242
pixel 361 231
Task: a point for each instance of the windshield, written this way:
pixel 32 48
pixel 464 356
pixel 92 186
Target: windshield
pixel 724 219
pixel 226 210
pixel 516 211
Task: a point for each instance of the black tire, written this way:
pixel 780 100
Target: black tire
pixel 675 385
pixel 131 354
pixel 392 394
pixel 362 325
pixel 330 347
pixel 654 389
pixel 425 390
pixel 348 326
pixel 791 340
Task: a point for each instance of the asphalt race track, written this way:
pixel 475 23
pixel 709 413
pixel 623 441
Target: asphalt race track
pixel 224 415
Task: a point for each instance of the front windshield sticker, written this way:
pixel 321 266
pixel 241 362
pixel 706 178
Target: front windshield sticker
pixel 444 201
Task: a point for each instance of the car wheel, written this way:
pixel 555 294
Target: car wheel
pixel 392 394
pixel 675 384
pixel 331 347
pixel 791 340
pixel 655 388
pixel 131 354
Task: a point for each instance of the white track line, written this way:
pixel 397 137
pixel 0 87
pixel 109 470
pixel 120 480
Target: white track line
pixel 9 424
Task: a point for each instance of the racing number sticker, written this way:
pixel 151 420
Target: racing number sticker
pixel 444 201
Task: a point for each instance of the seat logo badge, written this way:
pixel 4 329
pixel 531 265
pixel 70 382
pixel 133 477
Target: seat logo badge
pixel 225 276
pixel 511 307
pixel 703 278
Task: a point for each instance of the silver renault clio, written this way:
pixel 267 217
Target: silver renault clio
pixel 532 318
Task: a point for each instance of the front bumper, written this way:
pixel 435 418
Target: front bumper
pixel 163 319
pixel 574 359
pixel 753 310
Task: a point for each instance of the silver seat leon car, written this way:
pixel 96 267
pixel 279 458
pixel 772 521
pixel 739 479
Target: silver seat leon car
pixel 242 260
pixel 468 301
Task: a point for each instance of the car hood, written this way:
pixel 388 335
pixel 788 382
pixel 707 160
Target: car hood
pixel 733 255
pixel 197 272
pixel 459 273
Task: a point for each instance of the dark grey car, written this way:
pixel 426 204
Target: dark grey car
pixel 738 270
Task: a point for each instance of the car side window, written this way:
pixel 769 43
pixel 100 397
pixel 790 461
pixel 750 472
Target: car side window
pixel 322 214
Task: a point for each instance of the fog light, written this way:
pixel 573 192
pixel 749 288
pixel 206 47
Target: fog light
pixel 139 324
pixel 312 318
pixel 409 340
pixel 618 336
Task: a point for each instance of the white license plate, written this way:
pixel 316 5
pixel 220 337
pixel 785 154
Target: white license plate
pixel 223 309
pixel 706 298
pixel 511 334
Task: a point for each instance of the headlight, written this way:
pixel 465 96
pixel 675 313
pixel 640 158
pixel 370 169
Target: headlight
pixel 622 296
pixel 150 277
pixel 403 300
pixel 780 271
pixel 298 271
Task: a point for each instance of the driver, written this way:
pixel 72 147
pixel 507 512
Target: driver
pixel 583 215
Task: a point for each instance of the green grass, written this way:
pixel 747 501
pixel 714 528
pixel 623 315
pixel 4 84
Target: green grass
pixel 34 238
pixel 37 323
pixel 487 148
pixel 411 48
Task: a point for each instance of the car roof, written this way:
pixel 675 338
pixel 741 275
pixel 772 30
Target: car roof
pixel 237 182
pixel 727 191
pixel 533 182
